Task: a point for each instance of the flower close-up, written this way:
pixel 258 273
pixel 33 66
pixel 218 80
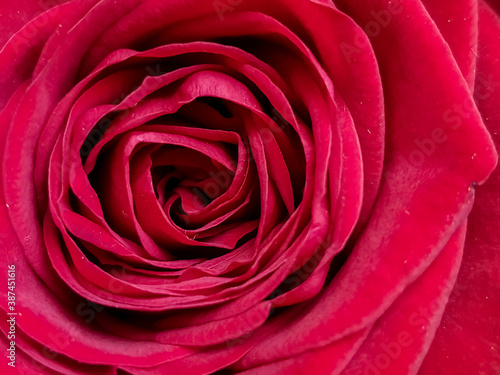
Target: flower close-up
pixel 250 187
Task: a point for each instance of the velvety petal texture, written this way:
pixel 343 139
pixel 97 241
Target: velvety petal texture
pixel 257 187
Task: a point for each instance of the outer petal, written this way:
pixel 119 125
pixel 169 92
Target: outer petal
pixel 15 14
pixel 468 340
pixel 400 338
pixel 457 22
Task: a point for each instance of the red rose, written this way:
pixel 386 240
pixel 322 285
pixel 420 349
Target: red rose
pixel 250 186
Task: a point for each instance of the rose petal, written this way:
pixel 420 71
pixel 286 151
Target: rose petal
pixel 468 339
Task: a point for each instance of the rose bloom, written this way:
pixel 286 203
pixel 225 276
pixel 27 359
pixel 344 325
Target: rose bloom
pixel 250 186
